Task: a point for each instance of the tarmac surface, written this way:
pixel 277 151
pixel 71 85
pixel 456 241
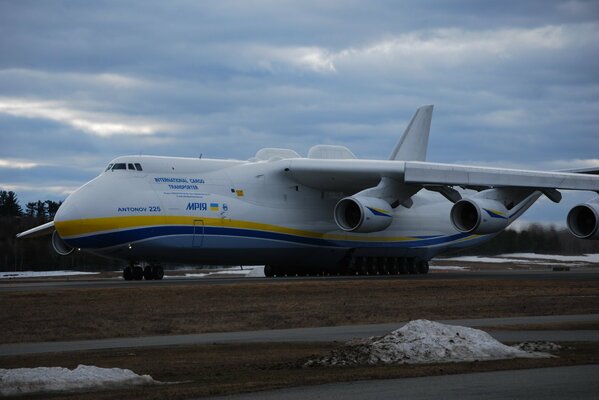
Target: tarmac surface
pixel 320 334
pixel 577 382
pixel 99 283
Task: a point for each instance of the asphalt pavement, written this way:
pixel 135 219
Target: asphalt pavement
pixel 577 382
pixel 98 283
pixel 319 334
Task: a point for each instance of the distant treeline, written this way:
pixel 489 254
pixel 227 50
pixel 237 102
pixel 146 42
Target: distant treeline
pixel 37 253
pixel 534 239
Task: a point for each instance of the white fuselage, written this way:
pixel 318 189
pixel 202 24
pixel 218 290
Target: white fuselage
pixel 230 212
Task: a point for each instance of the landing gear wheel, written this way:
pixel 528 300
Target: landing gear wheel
pixel 269 271
pixel 157 272
pixel 412 266
pixel 384 267
pixel 128 273
pixel 148 273
pixel 403 266
pixel 372 267
pixel 423 267
pixel 138 273
pixel 393 266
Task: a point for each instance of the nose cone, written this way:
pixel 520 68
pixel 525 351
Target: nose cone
pixel 68 217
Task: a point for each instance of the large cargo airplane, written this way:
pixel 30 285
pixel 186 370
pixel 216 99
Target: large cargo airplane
pixel 327 213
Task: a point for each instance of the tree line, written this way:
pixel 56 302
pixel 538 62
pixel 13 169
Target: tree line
pixel 37 253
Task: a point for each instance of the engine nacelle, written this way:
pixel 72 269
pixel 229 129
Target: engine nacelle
pixel 363 214
pixel 480 216
pixel 60 246
pixel 583 220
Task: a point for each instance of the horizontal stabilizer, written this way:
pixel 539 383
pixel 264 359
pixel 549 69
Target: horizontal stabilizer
pixel 41 230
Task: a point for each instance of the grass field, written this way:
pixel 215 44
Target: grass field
pixel 164 310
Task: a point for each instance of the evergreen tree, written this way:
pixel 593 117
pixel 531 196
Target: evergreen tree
pixel 52 208
pixel 30 209
pixel 40 210
pixel 9 204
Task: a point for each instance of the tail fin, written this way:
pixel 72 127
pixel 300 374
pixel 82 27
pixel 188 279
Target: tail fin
pixel 414 141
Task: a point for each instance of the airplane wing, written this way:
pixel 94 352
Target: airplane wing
pixel 41 230
pixel 351 176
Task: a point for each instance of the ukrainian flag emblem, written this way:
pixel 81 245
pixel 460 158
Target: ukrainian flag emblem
pixel 213 206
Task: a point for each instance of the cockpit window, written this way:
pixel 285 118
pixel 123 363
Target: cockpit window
pixel 130 166
pixel 138 167
pixel 108 168
pixel 119 166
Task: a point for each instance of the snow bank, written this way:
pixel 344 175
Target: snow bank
pixel 424 341
pixel 448 268
pixel 528 258
pixel 588 258
pixel 44 379
pixel 253 271
pixel 40 274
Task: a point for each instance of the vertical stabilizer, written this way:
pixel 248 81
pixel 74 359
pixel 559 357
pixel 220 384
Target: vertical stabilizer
pixel 414 141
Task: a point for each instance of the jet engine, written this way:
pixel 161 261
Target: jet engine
pixel 60 245
pixel 583 220
pixel 363 214
pixel 479 216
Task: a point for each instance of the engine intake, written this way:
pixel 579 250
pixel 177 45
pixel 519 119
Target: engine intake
pixel 60 245
pixel 479 216
pixel 583 220
pixel 363 214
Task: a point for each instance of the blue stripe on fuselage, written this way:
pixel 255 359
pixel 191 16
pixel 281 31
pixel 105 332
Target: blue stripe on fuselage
pixel 109 239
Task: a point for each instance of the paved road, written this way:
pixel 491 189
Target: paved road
pixel 15 286
pixel 578 382
pixel 321 334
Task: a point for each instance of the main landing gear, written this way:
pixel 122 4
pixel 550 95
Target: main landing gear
pixel 135 272
pixel 356 266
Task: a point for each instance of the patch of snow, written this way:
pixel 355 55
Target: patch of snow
pixel 423 341
pixel 588 258
pixel 477 259
pixel 41 274
pixel 51 379
pixel 253 271
pixel 449 268
pixel 257 272
pixel 529 258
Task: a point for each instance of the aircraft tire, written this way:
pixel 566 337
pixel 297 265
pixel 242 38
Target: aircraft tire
pixel 412 266
pixel 138 273
pixel 127 273
pixel 393 266
pixel 148 273
pixel 157 272
pixel 269 271
pixel 423 267
pixel 403 266
pixel 373 267
pixel 384 266
pixel 363 270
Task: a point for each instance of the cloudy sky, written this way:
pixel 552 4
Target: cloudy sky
pixel 514 83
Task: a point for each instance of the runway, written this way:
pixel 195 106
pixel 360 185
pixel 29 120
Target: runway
pixel 320 334
pixel 40 285
pixel 577 382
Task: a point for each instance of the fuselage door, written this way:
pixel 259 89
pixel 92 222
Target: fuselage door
pixel 198 233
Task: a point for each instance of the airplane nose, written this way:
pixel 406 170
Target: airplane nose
pixel 67 211
pixel 67 220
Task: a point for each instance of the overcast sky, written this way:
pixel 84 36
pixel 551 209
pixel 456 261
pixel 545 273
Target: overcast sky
pixel 514 83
